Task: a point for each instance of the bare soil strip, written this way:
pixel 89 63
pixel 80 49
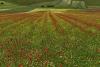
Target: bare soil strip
pixel 88 23
pixel 74 23
pixel 18 23
pixel 20 16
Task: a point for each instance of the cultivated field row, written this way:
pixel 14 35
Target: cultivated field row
pixel 48 39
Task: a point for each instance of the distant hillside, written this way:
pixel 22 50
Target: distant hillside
pixel 93 2
pixel 29 2
pixel 26 2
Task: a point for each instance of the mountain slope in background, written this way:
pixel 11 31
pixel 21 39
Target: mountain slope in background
pixel 93 2
pixel 26 5
pixel 29 2
pixel 26 2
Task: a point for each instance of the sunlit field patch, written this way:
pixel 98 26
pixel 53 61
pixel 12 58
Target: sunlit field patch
pixel 50 39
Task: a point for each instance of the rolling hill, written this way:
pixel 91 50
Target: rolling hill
pixel 93 2
pixel 26 5
pixel 26 2
pixel 29 2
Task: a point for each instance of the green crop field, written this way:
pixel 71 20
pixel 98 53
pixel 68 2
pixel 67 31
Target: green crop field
pixel 49 38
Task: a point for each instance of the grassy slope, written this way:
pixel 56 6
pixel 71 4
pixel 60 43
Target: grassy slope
pixel 20 5
pixel 93 2
pixel 11 7
pixel 28 2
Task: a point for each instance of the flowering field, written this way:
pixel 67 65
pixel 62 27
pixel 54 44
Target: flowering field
pixel 50 39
